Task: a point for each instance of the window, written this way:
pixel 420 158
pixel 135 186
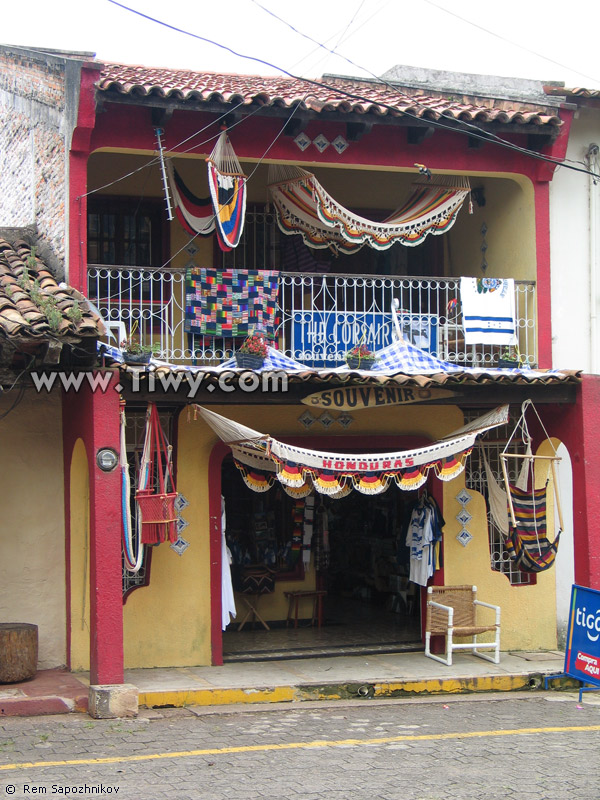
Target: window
pixel 125 232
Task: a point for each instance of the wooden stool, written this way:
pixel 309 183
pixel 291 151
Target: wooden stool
pixel 252 612
pixel 294 601
pixel 18 651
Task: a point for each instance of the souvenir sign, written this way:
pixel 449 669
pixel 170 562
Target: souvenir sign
pixel 350 398
pixel 582 658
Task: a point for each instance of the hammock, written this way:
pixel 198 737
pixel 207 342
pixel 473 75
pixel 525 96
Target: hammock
pixel 527 543
pixel 194 213
pixel 304 207
pixel 336 474
pixel 133 560
pixel 227 185
pixel 156 506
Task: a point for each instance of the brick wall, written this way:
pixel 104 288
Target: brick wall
pixel 33 141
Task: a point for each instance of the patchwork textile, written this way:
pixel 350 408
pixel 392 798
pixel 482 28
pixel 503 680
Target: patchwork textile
pixel 488 309
pixel 304 207
pixel 527 543
pixel 231 302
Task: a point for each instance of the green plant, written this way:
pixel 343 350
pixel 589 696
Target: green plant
pixel 255 345
pixel 74 313
pixel 511 354
pixel 133 345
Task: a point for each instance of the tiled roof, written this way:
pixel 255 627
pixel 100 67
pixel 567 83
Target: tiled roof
pixel 333 94
pixel 33 306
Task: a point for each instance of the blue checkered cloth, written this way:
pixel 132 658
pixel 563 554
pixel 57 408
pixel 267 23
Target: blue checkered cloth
pixel 401 356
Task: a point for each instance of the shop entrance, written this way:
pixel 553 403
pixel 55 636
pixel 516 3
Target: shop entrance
pixel 357 554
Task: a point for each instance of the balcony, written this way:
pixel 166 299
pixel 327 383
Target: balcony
pixel 320 315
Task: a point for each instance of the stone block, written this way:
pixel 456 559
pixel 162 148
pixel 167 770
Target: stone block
pixel 113 701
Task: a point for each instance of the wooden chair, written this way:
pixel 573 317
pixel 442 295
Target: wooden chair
pixel 452 611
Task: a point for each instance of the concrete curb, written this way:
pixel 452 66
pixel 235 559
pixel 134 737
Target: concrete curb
pixel 410 687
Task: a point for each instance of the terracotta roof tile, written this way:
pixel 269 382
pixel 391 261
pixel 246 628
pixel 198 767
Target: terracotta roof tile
pixel 332 94
pixel 33 306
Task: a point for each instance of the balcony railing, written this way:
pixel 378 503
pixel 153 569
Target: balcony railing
pixel 321 316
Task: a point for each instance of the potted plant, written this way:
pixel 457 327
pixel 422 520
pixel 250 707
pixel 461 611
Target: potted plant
pixel 360 357
pixel 509 358
pixel 134 352
pixel 252 353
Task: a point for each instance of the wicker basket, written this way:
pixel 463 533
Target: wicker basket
pixel 249 360
pixel 355 362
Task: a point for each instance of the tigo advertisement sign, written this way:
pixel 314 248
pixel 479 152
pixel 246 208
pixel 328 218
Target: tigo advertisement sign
pixel 582 659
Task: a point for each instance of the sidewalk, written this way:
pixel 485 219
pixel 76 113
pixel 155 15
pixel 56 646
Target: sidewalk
pixel 332 678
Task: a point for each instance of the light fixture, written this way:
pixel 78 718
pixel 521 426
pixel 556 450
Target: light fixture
pixel 107 459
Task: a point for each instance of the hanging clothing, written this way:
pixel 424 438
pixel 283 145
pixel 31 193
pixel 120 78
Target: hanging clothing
pixel 423 536
pixel 228 610
pixel 308 529
pixel 488 309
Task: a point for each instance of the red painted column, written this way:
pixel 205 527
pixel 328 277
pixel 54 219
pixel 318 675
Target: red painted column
pixel 577 427
pixel 544 306
pixel 93 416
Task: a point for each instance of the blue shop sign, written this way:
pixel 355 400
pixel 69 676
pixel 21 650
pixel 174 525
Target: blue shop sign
pixel 582 658
pixel 322 338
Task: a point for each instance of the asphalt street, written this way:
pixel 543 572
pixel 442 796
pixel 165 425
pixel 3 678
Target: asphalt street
pixel 544 746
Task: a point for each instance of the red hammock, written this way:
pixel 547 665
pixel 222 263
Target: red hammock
pixel 156 508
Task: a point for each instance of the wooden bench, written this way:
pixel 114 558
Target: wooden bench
pixel 294 599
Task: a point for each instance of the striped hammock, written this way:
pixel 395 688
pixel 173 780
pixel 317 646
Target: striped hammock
pixel 194 213
pixel 527 543
pixel 304 207
pixel 227 185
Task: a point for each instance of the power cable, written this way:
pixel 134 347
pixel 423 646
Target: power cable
pixel 475 132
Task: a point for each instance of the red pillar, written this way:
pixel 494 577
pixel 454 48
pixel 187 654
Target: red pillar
pixel 93 416
pixel 577 427
pixel 544 306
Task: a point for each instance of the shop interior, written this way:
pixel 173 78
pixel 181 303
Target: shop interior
pixel 358 554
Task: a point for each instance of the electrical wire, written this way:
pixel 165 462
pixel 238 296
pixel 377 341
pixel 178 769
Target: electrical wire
pixel 473 130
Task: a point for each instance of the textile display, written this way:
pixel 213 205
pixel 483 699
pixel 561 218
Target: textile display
pixel 228 610
pixel 488 310
pixel 227 185
pixel 423 535
pixel 194 213
pixel 308 530
pixel 527 543
pixel 304 207
pixel 497 499
pixel 231 302
pixel 335 474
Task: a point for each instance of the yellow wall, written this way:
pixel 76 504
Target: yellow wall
pixel 80 558
pixel 32 542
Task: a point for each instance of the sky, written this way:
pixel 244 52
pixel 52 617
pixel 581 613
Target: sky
pixel 510 38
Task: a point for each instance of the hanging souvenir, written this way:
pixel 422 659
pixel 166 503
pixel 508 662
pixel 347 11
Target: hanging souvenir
pixel 227 185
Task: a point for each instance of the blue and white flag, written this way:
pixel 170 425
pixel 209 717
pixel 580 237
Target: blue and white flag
pixel 488 310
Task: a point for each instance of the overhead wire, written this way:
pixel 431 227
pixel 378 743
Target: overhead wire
pixel 473 130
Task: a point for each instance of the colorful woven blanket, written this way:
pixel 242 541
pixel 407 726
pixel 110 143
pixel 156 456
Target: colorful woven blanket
pixel 231 302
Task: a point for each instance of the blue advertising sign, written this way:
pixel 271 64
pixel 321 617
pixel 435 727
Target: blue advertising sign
pixel 322 338
pixel 582 657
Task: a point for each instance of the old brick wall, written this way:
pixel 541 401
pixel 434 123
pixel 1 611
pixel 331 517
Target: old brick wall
pixel 34 138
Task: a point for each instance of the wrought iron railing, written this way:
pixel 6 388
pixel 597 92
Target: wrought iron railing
pixel 321 316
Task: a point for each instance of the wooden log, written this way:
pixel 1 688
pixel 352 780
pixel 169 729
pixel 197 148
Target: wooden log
pixel 18 651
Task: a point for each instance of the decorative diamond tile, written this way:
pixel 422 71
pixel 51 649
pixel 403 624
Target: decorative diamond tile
pixel 463 497
pixel 191 248
pixel 464 517
pixel 180 546
pixel 302 141
pixel 181 525
pixel 326 419
pixel 321 143
pixel 345 419
pixel 307 419
pixel 464 537
pixel 340 144
pixel 180 503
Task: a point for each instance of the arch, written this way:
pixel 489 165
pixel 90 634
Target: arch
pixel 79 559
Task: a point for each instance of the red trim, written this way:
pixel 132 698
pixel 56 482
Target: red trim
pixel 544 303
pixel 94 417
